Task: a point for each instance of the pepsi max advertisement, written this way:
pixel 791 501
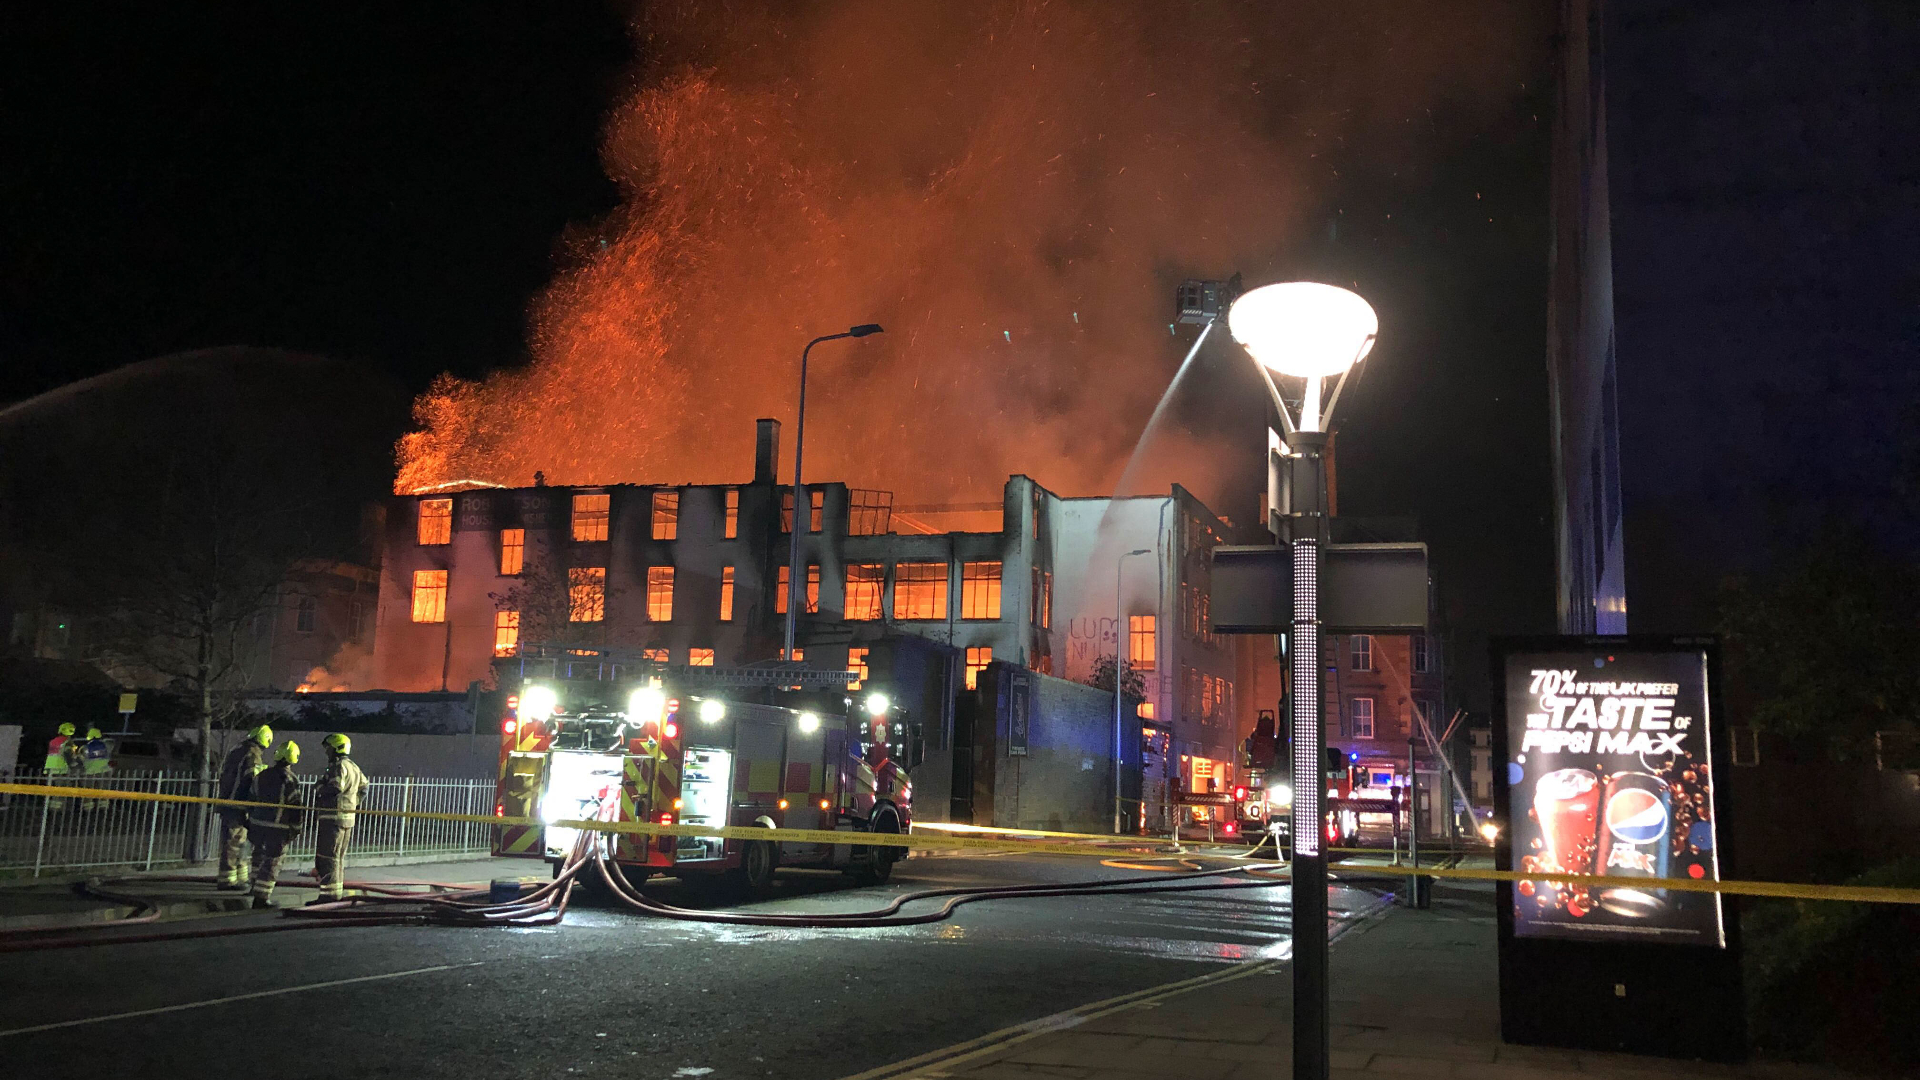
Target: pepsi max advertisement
pixel 1609 773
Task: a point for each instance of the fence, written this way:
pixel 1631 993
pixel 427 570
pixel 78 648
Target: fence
pixel 40 836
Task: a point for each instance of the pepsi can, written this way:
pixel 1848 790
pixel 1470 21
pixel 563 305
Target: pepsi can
pixel 1636 829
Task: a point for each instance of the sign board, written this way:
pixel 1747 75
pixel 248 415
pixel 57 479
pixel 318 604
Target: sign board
pixel 1606 753
pixel 1019 696
pixel 1364 588
pixel 128 702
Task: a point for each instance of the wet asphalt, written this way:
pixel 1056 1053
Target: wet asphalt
pixel 616 994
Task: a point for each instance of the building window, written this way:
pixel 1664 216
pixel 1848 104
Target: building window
pixel 1042 598
pixel 857 663
pixel 865 583
pixel 726 594
pixel 786 511
pixel 658 656
pixel 1144 711
pixel 666 515
pixel 1422 658
pixel 429 596
pixel 513 551
pixel 436 521
pixel 980 590
pixel 1206 698
pixel 1142 642
pixel 1745 743
pixel 977 661
pixel 700 657
pixel 869 513
pixel 920 590
pixel 303 610
pixel 660 593
pixel 1362 710
pixel 357 622
pixel 506 633
pixel 1189 693
pixel 784 589
pixel 1360 647
pixel 590 517
pixel 817 509
pixel 733 513
pixel 587 594
pixel 799 655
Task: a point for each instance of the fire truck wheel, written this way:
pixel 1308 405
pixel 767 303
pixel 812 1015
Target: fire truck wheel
pixel 757 861
pixel 874 865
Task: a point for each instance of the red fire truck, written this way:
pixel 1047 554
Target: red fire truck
pixel 592 734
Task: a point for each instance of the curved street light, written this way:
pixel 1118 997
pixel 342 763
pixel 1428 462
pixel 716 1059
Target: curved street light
pixel 801 505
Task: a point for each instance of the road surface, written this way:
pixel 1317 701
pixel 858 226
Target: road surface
pixel 613 993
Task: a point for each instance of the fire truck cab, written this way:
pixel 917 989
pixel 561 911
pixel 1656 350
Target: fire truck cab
pixel 640 742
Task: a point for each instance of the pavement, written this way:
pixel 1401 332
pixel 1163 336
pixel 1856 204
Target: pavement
pixel 1414 993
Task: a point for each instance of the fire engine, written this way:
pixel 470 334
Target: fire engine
pixel 592 734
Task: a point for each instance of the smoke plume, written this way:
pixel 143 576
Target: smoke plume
pixel 1011 188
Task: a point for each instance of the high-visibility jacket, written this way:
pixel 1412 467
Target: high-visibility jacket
pixel 57 755
pixel 243 763
pixel 276 785
pixel 337 795
pixel 96 757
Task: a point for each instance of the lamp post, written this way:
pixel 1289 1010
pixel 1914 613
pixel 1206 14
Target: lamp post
pixel 796 588
pixel 1307 331
pixel 1119 644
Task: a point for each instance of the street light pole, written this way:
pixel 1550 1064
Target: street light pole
pixel 1120 643
pixel 1308 331
pixel 796 589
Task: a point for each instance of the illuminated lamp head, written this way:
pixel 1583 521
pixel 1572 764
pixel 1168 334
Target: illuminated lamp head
pixel 877 704
pixel 538 702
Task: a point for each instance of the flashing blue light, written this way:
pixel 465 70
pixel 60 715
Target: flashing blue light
pixel 1353 757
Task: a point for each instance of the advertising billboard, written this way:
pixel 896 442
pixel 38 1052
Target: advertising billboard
pixel 1609 772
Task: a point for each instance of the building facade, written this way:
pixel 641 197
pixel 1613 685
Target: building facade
pixel 697 575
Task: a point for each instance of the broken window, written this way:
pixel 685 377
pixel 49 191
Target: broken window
pixel 865 583
pixel 436 521
pixel 513 550
pixel 869 513
pixel 666 515
pixel 979 590
pixel 429 596
pixel 920 590
pixel 357 622
pixel 977 661
pixel 700 657
pixel 587 594
pixel 857 663
pixel 658 656
pixel 590 516
pixel 733 513
pixel 816 509
pixel 784 590
pixel 1042 598
pixel 1142 642
pixel 660 593
pixel 506 633
pixel 726 594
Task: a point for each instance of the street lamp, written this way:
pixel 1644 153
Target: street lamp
pixel 796 588
pixel 1308 331
pixel 1119 645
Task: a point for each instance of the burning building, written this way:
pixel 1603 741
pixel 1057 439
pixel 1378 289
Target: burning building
pixel 697 575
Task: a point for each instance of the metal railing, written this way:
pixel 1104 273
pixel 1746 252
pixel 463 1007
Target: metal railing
pixel 60 835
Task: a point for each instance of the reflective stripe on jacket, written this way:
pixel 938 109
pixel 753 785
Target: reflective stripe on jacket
pixel 243 763
pixel 338 794
pixel 96 757
pixel 276 785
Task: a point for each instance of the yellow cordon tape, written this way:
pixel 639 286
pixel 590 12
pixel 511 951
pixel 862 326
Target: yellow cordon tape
pixel 1108 845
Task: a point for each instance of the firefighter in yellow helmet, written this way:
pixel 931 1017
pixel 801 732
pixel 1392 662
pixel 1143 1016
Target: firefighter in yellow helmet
pixel 271 828
pixel 96 761
pixel 243 763
pixel 335 799
pixel 58 756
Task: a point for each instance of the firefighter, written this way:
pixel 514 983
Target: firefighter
pixel 96 762
pixel 335 800
pixel 57 768
pixel 243 763
pixel 271 828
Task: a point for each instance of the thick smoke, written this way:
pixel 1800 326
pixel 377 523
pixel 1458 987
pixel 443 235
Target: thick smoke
pixel 1012 189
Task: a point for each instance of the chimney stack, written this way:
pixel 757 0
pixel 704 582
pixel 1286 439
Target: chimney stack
pixel 766 451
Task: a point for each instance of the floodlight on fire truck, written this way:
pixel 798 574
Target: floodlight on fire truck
pixel 1280 794
pixel 538 702
pixel 809 723
pixel 712 711
pixel 646 705
pixel 877 704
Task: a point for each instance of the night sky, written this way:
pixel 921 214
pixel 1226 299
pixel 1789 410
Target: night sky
pixel 397 190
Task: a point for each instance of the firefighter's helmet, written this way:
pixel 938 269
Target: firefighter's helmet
pixel 338 744
pixel 262 735
pixel 93 733
pixel 67 730
pixel 289 752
